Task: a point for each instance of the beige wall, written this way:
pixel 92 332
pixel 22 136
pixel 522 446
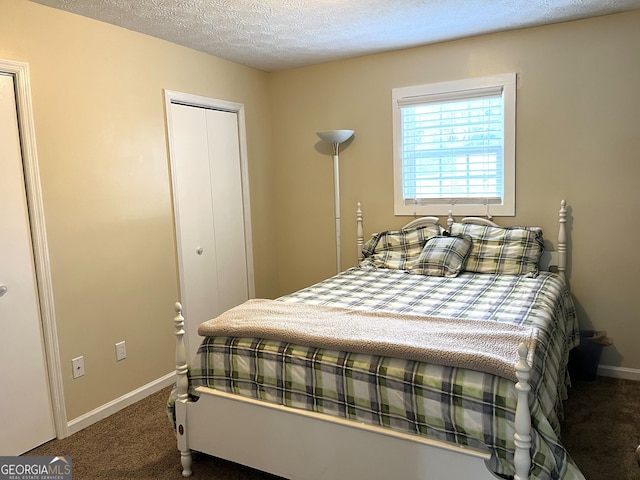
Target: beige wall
pixel 97 94
pixel 98 107
pixel 577 138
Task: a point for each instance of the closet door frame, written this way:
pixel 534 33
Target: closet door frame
pixel 20 73
pixel 227 106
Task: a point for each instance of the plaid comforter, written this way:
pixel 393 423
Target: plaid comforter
pixel 446 403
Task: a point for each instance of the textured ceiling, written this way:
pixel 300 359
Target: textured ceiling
pixel 279 34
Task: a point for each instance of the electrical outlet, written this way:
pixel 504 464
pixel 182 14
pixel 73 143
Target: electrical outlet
pixel 121 351
pixel 78 366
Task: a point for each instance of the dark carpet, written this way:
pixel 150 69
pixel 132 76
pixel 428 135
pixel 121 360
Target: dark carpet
pixel 601 431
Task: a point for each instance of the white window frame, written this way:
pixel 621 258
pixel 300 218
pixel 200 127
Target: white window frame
pixel 459 88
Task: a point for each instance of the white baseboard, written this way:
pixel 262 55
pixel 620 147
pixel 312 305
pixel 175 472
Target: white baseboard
pixel 118 404
pixel 619 372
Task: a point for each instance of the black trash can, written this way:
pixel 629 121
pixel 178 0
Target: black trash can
pixel 585 358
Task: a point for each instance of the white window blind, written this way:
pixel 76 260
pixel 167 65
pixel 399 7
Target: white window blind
pixel 452 146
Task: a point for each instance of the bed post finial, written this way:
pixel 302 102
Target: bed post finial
pixel 449 220
pixel 522 437
pixel 359 231
pixel 562 239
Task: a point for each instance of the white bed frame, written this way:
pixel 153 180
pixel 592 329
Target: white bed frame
pixel 266 436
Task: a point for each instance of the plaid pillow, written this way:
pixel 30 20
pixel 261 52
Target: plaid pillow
pixel 443 256
pixel 398 249
pixel 497 250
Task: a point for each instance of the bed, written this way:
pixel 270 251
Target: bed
pixel 441 355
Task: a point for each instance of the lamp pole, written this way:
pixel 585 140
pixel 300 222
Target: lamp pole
pixel 335 138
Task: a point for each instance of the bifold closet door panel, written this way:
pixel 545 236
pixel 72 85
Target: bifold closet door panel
pixel 209 214
pixel 194 220
pixel 228 213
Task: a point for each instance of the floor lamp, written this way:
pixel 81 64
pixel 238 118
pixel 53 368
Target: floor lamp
pixel 335 138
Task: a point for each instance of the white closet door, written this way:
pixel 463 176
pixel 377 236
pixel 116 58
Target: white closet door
pixel 209 214
pixel 27 419
pixel 228 218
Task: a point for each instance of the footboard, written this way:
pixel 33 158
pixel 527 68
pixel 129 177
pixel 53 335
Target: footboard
pixel 301 445
pixel 298 444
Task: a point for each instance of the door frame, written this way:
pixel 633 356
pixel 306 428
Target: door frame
pixel 188 99
pixel 20 73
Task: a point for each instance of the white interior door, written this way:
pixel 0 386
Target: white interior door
pixel 27 419
pixel 210 213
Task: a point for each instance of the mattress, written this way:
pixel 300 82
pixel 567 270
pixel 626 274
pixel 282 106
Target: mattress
pixel 452 404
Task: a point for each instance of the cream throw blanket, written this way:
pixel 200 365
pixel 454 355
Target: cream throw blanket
pixel 487 346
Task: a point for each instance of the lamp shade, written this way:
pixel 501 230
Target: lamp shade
pixel 335 136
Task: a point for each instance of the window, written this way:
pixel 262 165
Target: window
pixel 454 147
